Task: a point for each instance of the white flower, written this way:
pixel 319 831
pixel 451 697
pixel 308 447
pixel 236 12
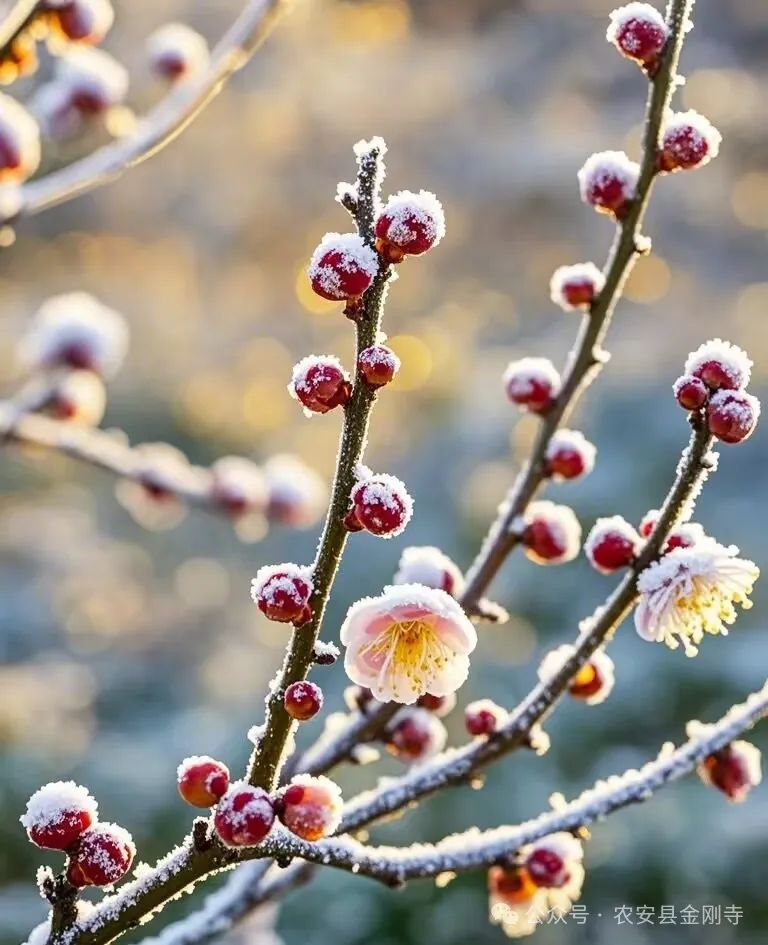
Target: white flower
pixel 692 591
pixel 409 641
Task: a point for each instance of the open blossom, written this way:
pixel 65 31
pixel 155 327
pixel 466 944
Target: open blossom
pixel 593 683
pixel 409 641
pixel 429 566
pixel 75 330
pixel 692 591
pixel 545 881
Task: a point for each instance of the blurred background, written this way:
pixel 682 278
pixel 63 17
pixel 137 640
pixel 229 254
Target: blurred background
pixel 124 650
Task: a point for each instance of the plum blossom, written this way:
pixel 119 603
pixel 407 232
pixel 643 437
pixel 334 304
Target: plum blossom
pixel 692 591
pixel 409 641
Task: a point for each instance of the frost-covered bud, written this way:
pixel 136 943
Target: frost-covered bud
pixel 608 181
pixel 160 475
pixel 303 700
pixel 570 455
pixel 532 383
pixel 576 286
pixel 94 80
pixel 19 142
pixel 416 734
pixel 690 392
pixel 103 855
pixel 688 140
pixel 58 813
pixel 282 592
pixel 310 807
pixel 612 544
pixel 734 770
pixel 77 397
pixel 244 816
pixel 76 331
pixel 409 225
pixel 551 861
pixel 721 365
pixel 342 267
pixel 202 780
pixel 593 683
pixel 239 486
pixel 429 566
pixel 639 32
pixel 378 365
pixel 484 717
pixel 732 415
pixel 648 522
pixel 296 492
pixel 550 533
pixel 439 705
pixel 320 383
pixel 81 21
pixel 684 536
pixel 381 505
pixel 176 51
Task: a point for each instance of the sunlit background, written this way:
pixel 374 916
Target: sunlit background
pixel 125 650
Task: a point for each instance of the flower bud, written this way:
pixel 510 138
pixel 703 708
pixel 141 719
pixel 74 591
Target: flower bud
pixel 94 81
pixel 378 365
pixel 303 700
pixel 639 32
pixel 550 533
pixel 684 536
pixel 381 505
pixel 296 493
pixel 81 21
pixel 77 397
pixel 532 383
pixel 690 392
pixel 416 734
pixel 648 522
pixel 732 415
pixel 569 455
pixel 688 141
pixel 103 855
pixel 551 860
pixel 244 816
pixel 429 566
pixel 58 813
pixel 593 683
pixel 202 780
pixel 342 267
pixel 438 705
pixel 177 52
pixel 577 286
pixel 612 544
pixel 282 592
pixel 19 142
pixel 608 180
pixel 734 770
pixel 720 365
pixel 409 225
pixel 310 807
pixel 484 717
pixel 239 486
pixel 320 383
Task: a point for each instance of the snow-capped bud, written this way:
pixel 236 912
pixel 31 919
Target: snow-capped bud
pixel 570 455
pixel 438 705
pixel 76 331
pixel 550 861
pixel 296 492
pixel 688 140
pixel 734 770
pixel 576 286
pixel 303 700
pixel 103 855
pixel 721 365
pixel 77 397
pixel 244 816
pixel 176 51
pixel 310 807
pixel 381 505
pixel 690 392
pixel 648 522
pixel 378 365
pixel 239 486
pixel 639 32
pixel 684 536
pixel 429 566
pixel 550 533
pixel 608 181
pixel 416 734
pixel 409 225
pixel 612 544
pixel 732 415
pixel 19 142
pixel 282 592
pixel 593 683
pixel 58 813
pixel 81 21
pixel 342 267
pixel 484 717
pixel 320 383
pixel 94 80
pixel 532 383
pixel 202 780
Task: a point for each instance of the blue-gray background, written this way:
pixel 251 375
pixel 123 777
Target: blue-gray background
pixel 124 650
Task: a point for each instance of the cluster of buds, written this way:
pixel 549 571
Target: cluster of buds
pixel 63 816
pixel 715 380
pixel 310 807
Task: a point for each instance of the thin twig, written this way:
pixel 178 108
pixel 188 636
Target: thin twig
pixel 165 122
pixel 588 356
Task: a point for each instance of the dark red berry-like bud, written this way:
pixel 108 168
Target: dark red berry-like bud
pixel 320 383
pixel 691 392
pixel 303 700
pixel 612 544
pixel 244 816
pixel 532 383
pixel 103 855
pixel 547 868
pixel 484 717
pixel 639 32
pixel 342 267
pixel 202 780
pixel 409 225
pixel 684 536
pixel 416 734
pixel 732 415
pixel 648 523
pixel 381 505
pixel 608 180
pixel 720 365
pixel 282 592
pixel 310 807
pixel 378 365
pixel 577 286
pixel 569 455
pixel 58 813
pixel 688 141
pixel 734 770
pixel 83 21
pixel 439 705
pixel 550 533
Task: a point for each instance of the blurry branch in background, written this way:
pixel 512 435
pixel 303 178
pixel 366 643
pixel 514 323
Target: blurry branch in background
pixel 13 21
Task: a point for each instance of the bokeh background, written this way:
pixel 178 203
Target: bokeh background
pixel 125 650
